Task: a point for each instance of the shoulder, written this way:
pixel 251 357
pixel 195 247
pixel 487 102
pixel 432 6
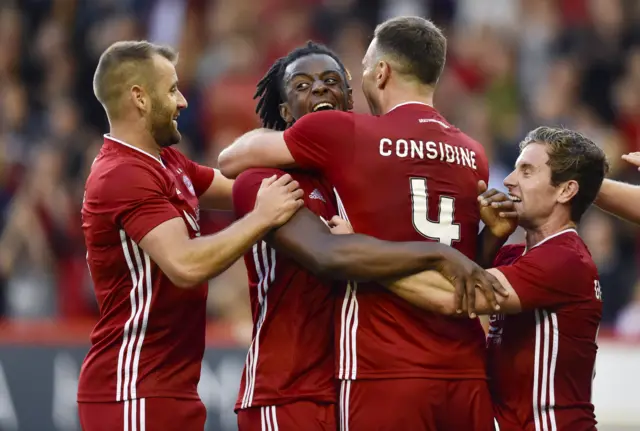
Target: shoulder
pixel 254 174
pixel 117 176
pixel 566 254
pixel 327 120
pixel 250 180
pixel 508 254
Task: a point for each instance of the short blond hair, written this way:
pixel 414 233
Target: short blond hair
pixel 122 63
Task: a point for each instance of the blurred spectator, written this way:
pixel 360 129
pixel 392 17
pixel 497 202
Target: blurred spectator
pixel 513 65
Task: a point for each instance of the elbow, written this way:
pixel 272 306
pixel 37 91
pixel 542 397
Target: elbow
pixel 184 277
pixel 326 266
pixel 227 165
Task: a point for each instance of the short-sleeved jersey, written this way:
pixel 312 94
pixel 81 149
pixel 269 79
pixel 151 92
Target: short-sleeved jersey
pixel 408 175
pixel 542 360
pixel 291 356
pixel 149 339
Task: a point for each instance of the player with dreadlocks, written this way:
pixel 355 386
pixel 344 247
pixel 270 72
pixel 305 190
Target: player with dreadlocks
pixel 283 93
pixel 288 381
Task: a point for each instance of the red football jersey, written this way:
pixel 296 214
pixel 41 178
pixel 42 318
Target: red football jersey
pixel 292 353
pixel 405 176
pixel 542 361
pixel 149 339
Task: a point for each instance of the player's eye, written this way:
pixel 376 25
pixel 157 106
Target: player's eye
pixel 331 81
pixel 302 86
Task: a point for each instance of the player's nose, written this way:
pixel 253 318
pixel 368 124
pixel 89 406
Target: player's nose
pixel 182 102
pixel 319 88
pixel 509 181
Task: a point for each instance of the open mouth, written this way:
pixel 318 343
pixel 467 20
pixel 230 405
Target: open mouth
pixel 323 106
pixel 515 198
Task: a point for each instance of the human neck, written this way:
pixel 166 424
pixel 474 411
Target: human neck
pixel 549 228
pixel 135 136
pixel 405 94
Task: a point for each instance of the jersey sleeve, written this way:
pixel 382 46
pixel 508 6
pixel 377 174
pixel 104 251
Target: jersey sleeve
pixel 137 199
pixel 321 141
pixel 246 187
pixel 201 176
pixel 507 254
pixel 545 277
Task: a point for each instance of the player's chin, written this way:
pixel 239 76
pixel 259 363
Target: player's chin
pixel 173 139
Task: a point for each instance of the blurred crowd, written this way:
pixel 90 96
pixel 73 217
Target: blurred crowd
pixel 513 65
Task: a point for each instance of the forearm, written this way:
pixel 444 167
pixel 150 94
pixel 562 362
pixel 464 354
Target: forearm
pixel 205 257
pixel 431 291
pixel 427 290
pixel 242 154
pixel 307 240
pixel 620 199
pixel 363 258
pixel 488 247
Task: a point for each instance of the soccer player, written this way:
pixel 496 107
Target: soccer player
pixel 621 199
pixel 403 174
pixel 288 381
pixel 148 262
pixel 542 350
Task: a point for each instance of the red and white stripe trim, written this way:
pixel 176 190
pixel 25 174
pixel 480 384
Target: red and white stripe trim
pixel 264 260
pixel 348 320
pixel 544 370
pixel 132 420
pixel 268 419
pixel 345 393
pixel 135 328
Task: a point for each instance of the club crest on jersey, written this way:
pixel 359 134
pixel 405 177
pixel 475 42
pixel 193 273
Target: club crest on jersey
pixel 189 184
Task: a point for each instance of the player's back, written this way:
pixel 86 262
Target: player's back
pixel 411 176
pixel 149 339
pixel 291 357
pixel 542 361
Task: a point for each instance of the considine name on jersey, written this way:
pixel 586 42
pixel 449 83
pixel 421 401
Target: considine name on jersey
pixel 431 150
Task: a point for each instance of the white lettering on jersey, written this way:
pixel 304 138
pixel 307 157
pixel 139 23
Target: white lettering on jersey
pixel 417 149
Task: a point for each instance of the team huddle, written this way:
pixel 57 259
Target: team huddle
pixel 361 237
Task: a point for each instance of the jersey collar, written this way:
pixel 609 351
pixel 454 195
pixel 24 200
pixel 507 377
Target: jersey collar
pixel 551 237
pixel 409 103
pixel 112 139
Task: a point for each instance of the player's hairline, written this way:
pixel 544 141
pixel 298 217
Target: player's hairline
pixel 121 60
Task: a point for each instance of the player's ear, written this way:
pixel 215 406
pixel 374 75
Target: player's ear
pixel 350 99
pixel 139 98
pixel 567 191
pixel 285 113
pixel 383 73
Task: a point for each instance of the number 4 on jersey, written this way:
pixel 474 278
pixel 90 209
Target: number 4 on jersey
pixel 444 229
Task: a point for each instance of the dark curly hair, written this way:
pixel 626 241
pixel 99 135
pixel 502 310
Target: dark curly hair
pixel 270 91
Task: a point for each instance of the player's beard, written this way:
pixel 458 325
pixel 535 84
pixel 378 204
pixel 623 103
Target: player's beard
pixel 161 125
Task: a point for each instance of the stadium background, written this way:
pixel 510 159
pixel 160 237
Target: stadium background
pixel 513 65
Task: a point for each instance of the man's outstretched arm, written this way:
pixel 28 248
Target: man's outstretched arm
pixel 311 143
pixel 431 291
pixel 257 148
pixel 306 239
pixel 620 199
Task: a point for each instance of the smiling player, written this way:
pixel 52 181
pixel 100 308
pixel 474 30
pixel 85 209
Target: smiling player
pixel 288 381
pixel 404 173
pixel 148 261
pixel 542 350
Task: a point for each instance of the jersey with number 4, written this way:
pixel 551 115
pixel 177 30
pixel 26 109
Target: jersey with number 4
pixel 408 175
